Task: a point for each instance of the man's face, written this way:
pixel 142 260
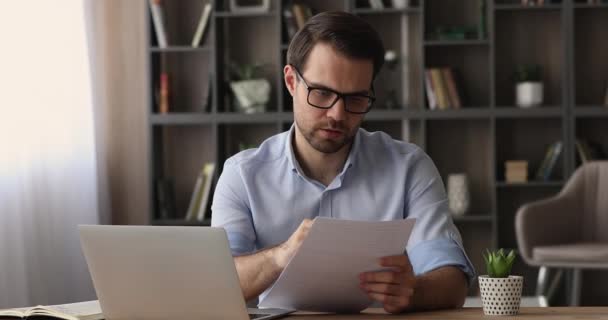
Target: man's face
pixel 328 130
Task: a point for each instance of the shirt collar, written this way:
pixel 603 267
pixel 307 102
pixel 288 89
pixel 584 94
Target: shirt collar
pixel 295 166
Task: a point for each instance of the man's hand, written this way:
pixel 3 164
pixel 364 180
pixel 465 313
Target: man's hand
pixel 393 288
pixel 287 249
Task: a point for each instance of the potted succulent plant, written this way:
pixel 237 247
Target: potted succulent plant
pixel 251 92
pixel 529 87
pixel 500 291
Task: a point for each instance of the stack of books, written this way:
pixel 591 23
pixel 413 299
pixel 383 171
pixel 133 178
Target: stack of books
pixel 442 89
pixel 516 171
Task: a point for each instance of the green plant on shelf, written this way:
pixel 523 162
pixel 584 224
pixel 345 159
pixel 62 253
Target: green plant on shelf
pixel 528 73
pixel 498 263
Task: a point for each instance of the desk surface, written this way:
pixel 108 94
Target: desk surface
pixel 561 313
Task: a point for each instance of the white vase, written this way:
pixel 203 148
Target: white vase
pixel 251 95
pixel 501 296
pixel 400 4
pixel 529 94
pixel 458 193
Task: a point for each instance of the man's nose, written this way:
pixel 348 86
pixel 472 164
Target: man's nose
pixel 337 111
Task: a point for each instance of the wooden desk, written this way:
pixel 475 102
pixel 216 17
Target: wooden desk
pixel 560 313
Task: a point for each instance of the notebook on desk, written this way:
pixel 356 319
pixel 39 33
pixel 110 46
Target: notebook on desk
pixel 161 272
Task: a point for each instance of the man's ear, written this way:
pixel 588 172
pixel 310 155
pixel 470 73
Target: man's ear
pixel 289 74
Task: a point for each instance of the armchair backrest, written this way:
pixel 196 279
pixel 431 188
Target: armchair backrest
pixel 589 185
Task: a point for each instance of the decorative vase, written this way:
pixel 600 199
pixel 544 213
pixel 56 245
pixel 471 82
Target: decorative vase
pixel 249 6
pixel 501 296
pixel 458 193
pixel 251 95
pixel 400 4
pixel 529 94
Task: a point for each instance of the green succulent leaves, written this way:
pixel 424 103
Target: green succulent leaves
pixel 498 264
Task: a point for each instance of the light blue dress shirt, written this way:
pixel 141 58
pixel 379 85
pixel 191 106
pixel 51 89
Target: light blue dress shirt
pixel 262 196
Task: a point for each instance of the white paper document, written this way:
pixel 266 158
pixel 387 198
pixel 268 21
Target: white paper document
pixel 324 274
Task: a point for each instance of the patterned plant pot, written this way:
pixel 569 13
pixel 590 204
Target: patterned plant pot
pixel 501 296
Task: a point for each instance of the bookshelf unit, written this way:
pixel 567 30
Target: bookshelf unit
pixel 566 38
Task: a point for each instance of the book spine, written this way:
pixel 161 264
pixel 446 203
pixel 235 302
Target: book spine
pixel 442 99
pixel 543 166
pixel 430 91
pixel 208 172
pixel 291 26
pixel 557 150
pixel 163 105
pixel 448 79
pixel 193 207
pixel 158 20
pixel 202 25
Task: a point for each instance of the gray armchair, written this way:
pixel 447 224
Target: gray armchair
pixel 568 232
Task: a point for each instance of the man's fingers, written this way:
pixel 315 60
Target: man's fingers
pixel 387 288
pixel 399 261
pixel 382 277
pixel 391 303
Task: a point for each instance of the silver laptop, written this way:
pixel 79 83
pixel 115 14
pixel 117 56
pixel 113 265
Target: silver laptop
pixel 158 272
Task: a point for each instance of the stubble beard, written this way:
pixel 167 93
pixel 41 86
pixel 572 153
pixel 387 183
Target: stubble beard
pixel 326 146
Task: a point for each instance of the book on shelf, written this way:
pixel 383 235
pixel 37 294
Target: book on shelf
pixel 289 21
pixel 450 81
pixel 376 4
pixel 158 20
pixel 587 151
pixel 163 100
pixel 440 89
pixel 200 195
pixel 208 171
pixel 202 25
pixel 89 310
pixel 302 13
pixel 549 161
pixel 606 97
pixel 431 94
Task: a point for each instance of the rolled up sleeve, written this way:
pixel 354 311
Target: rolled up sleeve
pixel 230 210
pixel 435 241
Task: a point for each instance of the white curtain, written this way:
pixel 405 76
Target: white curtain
pixel 48 176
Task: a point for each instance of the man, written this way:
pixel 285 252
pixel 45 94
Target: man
pixel 326 166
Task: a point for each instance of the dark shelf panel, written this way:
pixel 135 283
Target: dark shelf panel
pixel 368 11
pixel 591 111
pixel 464 42
pixel 462 113
pixel 538 112
pixel 180 222
pixel 473 218
pixel 591 6
pixel 532 183
pixel 181 118
pixel 511 7
pixel 267 117
pixel 181 49
pixel 228 14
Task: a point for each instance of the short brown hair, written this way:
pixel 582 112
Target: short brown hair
pixel 346 33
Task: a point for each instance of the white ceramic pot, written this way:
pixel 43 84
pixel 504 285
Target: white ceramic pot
pixel 501 296
pixel 529 94
pixel 458 194
pixel 251 95
pixel 400 4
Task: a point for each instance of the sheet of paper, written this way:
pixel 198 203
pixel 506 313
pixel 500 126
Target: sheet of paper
pixel 88 310
pixel 324 274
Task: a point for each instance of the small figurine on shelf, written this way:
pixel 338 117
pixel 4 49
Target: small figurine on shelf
pixel 249 6
pixel 251 93
pixel 391 62
pixel 529 87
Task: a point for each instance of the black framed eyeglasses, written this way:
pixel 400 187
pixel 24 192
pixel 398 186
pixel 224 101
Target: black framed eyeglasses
pixel 325 98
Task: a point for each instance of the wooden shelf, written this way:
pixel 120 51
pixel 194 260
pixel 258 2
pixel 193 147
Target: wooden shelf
pixel 537 112
pixel 591 111
pixel 204 49
pixel 532 184
pixel 515 7
pixel 182 118
pixel 228 14
pixel 369 11
pixel 464 42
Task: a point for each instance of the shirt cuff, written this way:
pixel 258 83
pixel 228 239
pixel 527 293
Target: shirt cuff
pixel 239 244
pixel 433 254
